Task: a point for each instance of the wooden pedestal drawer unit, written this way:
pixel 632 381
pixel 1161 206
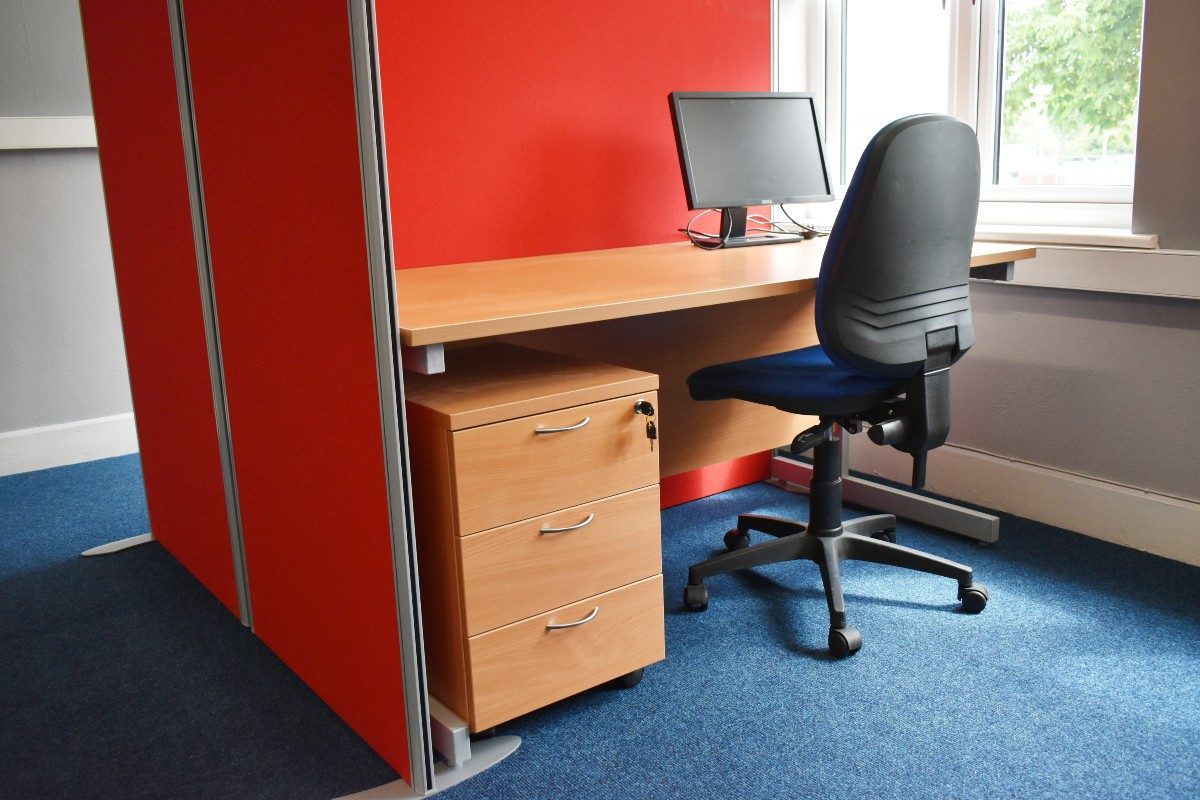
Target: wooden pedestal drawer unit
pixel 536 505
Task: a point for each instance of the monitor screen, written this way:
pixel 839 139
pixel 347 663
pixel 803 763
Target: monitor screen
pixel 748 149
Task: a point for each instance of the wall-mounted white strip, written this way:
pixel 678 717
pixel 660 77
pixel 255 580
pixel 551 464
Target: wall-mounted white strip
pixel 42 133
pixel 67 443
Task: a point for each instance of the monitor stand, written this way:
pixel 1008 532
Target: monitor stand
pixel 762 238
pixel 733 224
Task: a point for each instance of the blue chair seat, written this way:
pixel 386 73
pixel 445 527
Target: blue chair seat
pixel 801 381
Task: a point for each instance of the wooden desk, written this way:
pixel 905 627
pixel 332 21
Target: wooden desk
pixel 668 309
pixel 453 303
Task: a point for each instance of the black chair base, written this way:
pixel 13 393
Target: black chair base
pixel 864 539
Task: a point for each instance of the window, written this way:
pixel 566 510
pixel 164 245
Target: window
pixel 894 59
pixel 1049 85
pixel 1068 92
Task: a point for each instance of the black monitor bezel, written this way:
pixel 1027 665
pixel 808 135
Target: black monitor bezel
pixel 685 161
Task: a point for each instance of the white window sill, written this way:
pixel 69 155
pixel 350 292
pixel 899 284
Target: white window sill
pixel 1087 237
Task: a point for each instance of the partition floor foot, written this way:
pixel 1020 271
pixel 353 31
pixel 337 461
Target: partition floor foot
pixel 119 545
pixel 484 753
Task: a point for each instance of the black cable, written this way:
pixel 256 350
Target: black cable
pixel 775 226
pixel 717 241
pixel 692 237
pixel 801 225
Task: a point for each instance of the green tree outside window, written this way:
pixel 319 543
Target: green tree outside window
pixel 1072 66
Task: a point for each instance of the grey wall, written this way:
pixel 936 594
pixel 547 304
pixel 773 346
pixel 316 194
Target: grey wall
pixel 1166 194
pixel 61 352
pixel 1092 383
pixel 42 71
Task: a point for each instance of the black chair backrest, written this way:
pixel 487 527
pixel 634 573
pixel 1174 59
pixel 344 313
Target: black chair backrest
pixel 897 262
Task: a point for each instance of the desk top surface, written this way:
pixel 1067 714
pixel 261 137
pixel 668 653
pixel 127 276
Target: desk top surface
pixel 490 298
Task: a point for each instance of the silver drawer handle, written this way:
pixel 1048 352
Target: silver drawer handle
pixel 554 626
pixel 576 527
pixel 574 427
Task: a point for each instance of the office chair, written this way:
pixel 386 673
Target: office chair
pixel 892 315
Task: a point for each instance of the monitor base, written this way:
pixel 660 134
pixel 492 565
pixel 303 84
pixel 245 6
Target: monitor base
pixel 765 238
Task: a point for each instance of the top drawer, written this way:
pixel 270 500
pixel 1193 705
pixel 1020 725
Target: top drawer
pixel 509 471
pixel 497 382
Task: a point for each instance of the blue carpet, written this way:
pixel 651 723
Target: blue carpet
pixel 122 677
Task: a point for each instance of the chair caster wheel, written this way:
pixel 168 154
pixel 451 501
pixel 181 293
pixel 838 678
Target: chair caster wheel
pixel 844 642
pixel 736 540
pixel 629 679
pixel 974 598
pixel 888 535
pixel 695 597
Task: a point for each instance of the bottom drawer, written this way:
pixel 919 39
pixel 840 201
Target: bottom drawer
pixel 527 665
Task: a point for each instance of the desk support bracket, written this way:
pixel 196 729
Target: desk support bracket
pixel 427 359
pixel 795 475
pixel 995 272
pixel 451 736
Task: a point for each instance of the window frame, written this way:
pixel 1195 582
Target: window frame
pixel 816 28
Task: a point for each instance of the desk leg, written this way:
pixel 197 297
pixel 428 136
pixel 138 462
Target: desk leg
pixel 795 476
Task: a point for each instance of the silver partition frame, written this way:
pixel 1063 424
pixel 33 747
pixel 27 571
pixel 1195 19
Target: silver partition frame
pixel 373 161
pixel 208 301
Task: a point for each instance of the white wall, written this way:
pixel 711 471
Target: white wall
pixel 64 393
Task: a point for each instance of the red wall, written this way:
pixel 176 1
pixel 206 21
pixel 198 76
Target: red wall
pixel 542 126
pixel 154 255
pixel 517 129
pixel 277 127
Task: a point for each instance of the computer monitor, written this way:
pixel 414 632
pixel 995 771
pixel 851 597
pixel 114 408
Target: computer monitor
pixel 740 149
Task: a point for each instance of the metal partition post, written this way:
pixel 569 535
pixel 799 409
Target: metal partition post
pixel 463 760
pixel 373 163
pixel 208 301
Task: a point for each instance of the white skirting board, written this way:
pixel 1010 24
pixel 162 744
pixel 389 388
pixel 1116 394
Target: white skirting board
pixel 1159 524
pixel 69 443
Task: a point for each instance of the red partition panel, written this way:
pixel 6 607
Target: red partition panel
pixel 154 254
pixel 277 129
pixel 687 486
pixel 542 126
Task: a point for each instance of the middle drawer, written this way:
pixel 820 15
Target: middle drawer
pixel 516 571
